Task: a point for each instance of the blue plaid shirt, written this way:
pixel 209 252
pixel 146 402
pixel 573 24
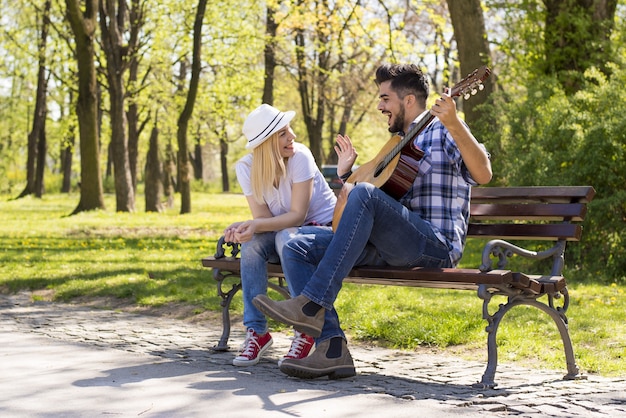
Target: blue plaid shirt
pixel 442 188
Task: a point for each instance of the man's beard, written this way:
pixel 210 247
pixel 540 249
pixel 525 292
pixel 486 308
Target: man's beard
pixel 398 122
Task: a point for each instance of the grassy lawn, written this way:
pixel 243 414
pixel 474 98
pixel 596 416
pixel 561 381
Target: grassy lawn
pixel 153 259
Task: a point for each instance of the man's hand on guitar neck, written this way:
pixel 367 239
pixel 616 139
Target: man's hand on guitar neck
pixel 445 109
pixel 346 155
pixel 474 155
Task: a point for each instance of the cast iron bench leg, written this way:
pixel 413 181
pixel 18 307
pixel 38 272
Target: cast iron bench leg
pixel 557 314
pixel 227 297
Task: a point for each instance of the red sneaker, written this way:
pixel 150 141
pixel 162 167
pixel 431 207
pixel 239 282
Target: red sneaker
pixel 253 348
pixel 300 347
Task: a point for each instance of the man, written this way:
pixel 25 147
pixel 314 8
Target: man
pixel 427 227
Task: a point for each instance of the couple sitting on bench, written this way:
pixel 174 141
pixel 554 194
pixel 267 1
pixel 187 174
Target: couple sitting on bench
pixel 425 225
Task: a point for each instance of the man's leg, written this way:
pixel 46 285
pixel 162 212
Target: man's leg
pixel 401 236
pixel 300 257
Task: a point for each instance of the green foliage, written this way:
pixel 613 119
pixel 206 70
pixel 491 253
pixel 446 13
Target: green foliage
pixel 548 138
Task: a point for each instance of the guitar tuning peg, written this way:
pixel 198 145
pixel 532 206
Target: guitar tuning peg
pixel 481 86
pixel 474 91
pixel 467 95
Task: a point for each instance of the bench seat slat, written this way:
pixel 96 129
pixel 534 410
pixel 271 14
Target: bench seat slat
pixel 528 212
pixel 418 274
pixel 569 232
pixel 546 194
pixel 412 283
pixel 460 278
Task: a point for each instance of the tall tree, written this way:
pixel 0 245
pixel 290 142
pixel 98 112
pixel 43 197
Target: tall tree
pixel 269 54
pixel 83 22
pixel 137 19
pixel 470 35
pixel 312 78
pixel 154 174
pixel 184 166
pixel 113 24
pixel 36 154
pixel 324 43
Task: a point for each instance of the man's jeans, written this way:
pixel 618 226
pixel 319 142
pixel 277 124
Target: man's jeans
pixel 266 248
pixel 375 229
pixel 300 265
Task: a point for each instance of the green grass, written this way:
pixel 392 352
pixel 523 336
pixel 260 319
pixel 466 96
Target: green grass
pixel 153 259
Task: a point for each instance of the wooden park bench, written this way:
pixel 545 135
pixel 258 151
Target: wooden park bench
pixel 499 215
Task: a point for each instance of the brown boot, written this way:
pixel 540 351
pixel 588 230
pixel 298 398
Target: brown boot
pixel 291 312
pixel 331 358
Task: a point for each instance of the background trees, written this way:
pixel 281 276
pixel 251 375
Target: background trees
pixel 83 24
pixel 550 114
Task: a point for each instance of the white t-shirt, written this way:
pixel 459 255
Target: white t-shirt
pixel 300 167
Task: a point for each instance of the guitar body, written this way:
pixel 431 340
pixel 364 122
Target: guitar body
pixel 394 178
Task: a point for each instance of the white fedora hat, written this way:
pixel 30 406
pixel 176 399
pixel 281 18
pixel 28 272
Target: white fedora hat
pixel 262 122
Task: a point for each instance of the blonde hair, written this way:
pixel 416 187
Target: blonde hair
pixel 268 168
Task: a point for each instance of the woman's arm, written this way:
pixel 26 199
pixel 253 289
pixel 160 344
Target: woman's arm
pixel 263 221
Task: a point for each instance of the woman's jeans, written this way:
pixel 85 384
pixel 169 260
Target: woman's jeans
pixel 266 248
pixel 255 254
pixel 375 229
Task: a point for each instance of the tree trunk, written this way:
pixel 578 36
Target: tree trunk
pixel 133 139
pixel 169 181
pixel 154 175
pixel 35 161
pixel 67 154
pixel 184 168
pixel 473 48
pixel 112 24
pixel 136 22
pixel 313 120
pixel 197 160
pixel 42 150
pixel 270 58
pixel 224 164
pixel 577 37
pixel 84 26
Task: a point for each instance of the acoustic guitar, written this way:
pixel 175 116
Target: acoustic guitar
pixel 394 168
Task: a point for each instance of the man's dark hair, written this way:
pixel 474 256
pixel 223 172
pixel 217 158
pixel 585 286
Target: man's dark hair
pixel 405 79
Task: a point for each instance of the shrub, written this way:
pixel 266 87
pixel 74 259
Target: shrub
pixel 548 138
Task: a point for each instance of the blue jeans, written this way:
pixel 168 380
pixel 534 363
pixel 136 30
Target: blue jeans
pixel 255 254
pixel 266 248
pixel 375 229
pixel 300 257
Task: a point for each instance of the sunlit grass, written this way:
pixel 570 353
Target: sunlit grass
pixel 153 259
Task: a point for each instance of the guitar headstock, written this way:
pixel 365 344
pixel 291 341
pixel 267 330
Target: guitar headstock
pixel 470 85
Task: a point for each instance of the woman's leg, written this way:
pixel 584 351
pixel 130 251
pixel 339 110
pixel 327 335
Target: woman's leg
pixel 255 254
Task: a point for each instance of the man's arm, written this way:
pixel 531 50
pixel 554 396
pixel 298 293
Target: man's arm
pixel 474 155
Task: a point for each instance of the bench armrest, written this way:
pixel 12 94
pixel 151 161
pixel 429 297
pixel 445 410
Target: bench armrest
pixel 221 250
pixel 503 250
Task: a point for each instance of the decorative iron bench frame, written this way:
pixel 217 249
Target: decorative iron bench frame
pixel 499 214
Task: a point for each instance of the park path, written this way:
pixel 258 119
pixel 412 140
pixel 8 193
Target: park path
pixel 74 360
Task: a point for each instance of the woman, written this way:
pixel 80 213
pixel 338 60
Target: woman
pixel 284 189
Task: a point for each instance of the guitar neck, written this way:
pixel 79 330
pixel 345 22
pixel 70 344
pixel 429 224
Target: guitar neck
pixel 419 126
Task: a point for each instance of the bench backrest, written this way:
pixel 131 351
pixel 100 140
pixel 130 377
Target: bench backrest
pixel 529 213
